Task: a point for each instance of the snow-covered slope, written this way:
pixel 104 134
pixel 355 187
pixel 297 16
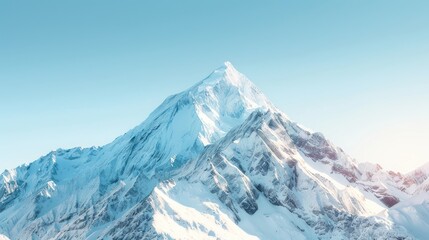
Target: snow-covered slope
pixel 413 215
pixel 217 161
pixel 3 237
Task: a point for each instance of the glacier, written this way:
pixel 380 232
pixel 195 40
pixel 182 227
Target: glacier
pixel 216 161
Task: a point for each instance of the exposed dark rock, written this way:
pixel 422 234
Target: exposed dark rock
pixel 389 200
pixel 347 173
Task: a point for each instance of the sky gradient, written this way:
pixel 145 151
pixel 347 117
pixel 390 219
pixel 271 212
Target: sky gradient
pixel 80 73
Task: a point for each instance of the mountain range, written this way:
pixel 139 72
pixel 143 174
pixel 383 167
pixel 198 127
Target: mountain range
pixel 216 161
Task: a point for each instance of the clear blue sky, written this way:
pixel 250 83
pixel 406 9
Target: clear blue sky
pixel 80 73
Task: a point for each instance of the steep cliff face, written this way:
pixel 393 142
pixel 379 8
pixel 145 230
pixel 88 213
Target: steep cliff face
pixel 215 161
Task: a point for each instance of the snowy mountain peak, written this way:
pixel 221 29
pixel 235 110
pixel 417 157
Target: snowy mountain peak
pixel 217 160
pixel 231 74
pixel 188 121
pixel 226 82
pixel 228 64
pixel 228 75
pixel 234 76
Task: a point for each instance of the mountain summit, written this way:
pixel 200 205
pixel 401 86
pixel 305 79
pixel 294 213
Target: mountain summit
pixel 188 121
pixel 217 161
